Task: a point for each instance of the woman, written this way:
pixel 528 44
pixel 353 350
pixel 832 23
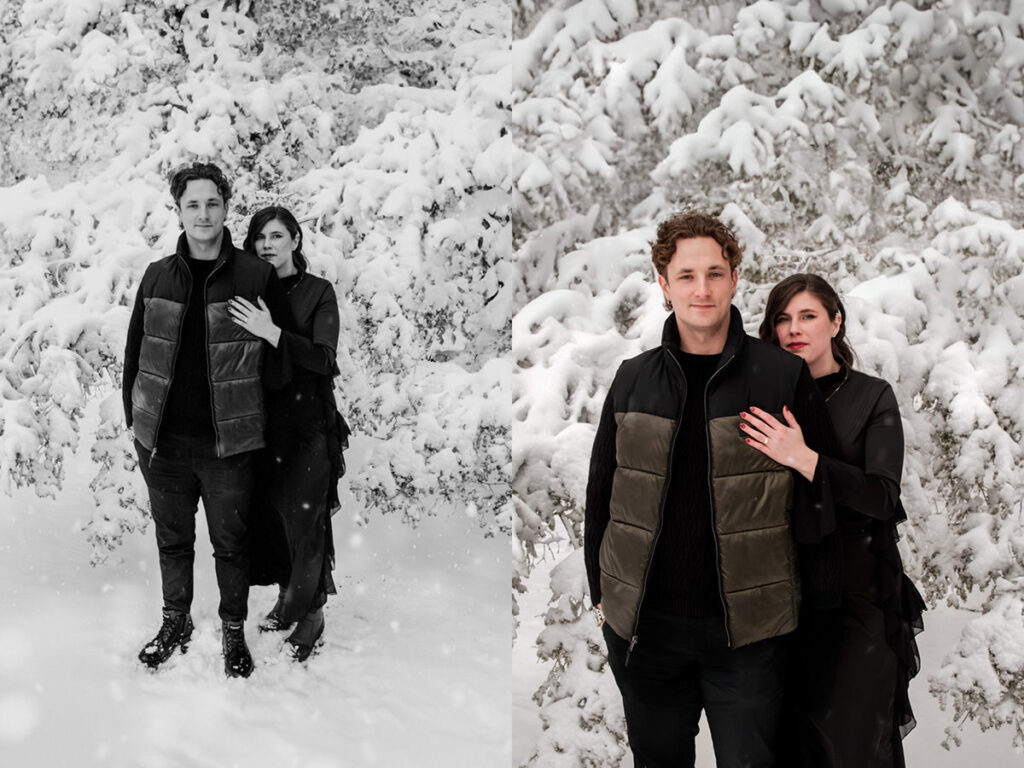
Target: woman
pixel 850 692
pixel 291 541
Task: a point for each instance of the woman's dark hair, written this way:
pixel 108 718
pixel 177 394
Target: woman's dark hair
pixel 263 217
pixel 181 176
pixel 818 287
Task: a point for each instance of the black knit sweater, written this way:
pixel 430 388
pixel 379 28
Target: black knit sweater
pixel 189 407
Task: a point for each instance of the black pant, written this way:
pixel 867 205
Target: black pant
pixel 184 470
pixel 680 666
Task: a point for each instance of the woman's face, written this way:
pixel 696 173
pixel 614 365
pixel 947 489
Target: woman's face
pixel 805 329
pixel 275 244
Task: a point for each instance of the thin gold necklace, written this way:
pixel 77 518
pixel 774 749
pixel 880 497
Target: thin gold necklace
pixel 287 291
pixel 845 377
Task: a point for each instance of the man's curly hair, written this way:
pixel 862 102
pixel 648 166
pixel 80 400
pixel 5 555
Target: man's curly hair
pixel 689 224
pixel 181 176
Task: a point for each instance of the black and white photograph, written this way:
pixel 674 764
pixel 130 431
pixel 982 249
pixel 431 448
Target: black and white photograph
pixel 253 435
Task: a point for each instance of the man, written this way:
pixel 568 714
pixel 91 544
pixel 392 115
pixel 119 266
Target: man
pixel 193 395
pixel 689 530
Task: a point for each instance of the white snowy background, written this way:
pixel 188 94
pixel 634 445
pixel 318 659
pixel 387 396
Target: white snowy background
pixel 876 143
pixel 381 125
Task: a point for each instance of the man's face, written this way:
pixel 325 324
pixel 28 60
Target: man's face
pixel 699 285
pixel 201 210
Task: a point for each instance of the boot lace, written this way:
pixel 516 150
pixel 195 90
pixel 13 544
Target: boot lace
pixel 170 630
pixel 234 639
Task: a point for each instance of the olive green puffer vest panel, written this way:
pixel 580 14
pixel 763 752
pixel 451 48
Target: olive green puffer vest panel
pixel 752 495
pixel 642 445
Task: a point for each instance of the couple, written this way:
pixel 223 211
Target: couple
pixel 740 537
pixel 228 389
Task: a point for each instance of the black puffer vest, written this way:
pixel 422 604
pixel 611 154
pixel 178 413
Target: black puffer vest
pixel 751 495
pixel 234 355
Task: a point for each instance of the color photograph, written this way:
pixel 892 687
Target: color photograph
pixel 699 183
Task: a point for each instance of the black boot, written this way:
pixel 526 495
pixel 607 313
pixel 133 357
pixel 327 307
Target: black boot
pixel 237 659
pixel 306 634
pixel 175 632
pixel 272 621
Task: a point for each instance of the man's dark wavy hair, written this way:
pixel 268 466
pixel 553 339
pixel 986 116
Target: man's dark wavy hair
pixel 182 175
pixel 688 224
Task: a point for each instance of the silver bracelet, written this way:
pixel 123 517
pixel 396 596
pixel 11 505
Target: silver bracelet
pixel 599 615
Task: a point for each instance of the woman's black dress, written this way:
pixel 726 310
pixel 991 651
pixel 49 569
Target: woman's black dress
pixel 852 694
pixel 291 542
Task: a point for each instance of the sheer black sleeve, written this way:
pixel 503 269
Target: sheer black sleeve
pixel 599 495
pixel 873 491
pixel 318 353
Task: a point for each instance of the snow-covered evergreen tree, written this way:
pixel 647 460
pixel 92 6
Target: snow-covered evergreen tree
pixel 379 124
pixel 876 143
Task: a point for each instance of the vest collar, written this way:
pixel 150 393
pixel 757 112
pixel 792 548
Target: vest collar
pixel 227 248
pixel 733 343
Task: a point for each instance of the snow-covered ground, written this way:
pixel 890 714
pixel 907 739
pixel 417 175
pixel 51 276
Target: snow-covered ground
pixel 414 671
pixel 992 749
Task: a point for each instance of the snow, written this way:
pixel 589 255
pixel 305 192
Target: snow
pixel 414 669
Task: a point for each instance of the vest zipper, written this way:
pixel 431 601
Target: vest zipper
pixel 209 362
pixel 661 515
pixel 711 503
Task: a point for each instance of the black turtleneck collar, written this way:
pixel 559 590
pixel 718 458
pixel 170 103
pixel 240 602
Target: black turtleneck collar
pixel 733 342
pixel 227 248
